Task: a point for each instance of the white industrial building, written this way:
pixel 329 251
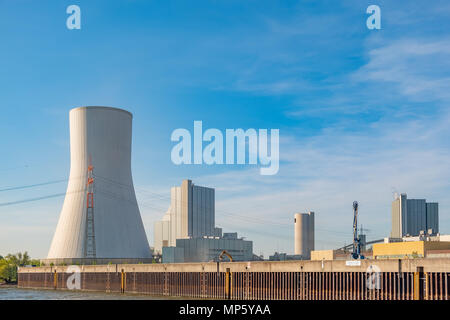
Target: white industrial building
pixel 191 214
pixel 411 217
pixel 304 234
pixel 100 220
pixel 187 231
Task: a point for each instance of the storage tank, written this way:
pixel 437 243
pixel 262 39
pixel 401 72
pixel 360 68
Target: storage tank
pixel 304 234
pixel 100 219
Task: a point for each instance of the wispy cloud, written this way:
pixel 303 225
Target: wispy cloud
pixel 404 149
pixel 418 68
pixel 326 173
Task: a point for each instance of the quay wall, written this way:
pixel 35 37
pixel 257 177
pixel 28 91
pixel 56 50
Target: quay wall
pixel 387 279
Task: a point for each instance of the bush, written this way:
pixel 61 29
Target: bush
pixel 10 263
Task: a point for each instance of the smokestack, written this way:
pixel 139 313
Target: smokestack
pixel 304 234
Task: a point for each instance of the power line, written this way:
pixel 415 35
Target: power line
pixel 32 185
pixel 14 168
pixel 227 213
pixel 4 204
pixel 154 195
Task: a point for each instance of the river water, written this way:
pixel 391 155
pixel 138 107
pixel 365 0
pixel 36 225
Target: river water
pixel 14 293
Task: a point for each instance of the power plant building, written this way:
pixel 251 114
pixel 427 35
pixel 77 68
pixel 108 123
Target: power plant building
pixel 208 249
pixel 304 234
pixel 191 215
pixel 410 217
pixel 100 220
pixel 187 231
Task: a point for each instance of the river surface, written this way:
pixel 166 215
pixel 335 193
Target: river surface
pixel 14 293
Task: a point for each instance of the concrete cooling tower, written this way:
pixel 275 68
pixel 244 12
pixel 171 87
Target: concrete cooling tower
pixel 100 220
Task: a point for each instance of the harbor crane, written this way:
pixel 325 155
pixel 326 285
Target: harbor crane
pixel 356 253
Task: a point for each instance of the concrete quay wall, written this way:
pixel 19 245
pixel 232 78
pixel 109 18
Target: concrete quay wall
pixel 385 265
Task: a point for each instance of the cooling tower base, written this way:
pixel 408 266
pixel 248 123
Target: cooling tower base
pixel 93 261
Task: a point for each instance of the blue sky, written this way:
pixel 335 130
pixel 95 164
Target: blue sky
pixel 362 113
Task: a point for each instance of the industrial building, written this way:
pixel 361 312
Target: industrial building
pixel 304 234
pixel 208 249
pixel 318 255
pixel 339 254
pixel 410 217
pixel 191 214
pixel 411 249
pixel 100 220
pixel 281 256
pixel 187 232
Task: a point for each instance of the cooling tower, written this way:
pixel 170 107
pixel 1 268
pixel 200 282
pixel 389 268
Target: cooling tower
pixel 100 219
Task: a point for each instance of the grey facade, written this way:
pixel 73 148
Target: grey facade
pixel 218 232
pixel 411 216
pixel 433 217
pixel 201 210
pixel 191 215
pixel 209 249
pixel 172 255
pixel 280 256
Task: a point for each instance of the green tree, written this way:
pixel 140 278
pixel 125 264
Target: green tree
pixel 35 262
pixel 8 272
pixel 19 259
pixel 10 263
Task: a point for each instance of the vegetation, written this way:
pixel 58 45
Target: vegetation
pixel 10 263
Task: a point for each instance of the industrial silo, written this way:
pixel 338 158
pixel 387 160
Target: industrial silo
pixel 100 219
pixel 304 234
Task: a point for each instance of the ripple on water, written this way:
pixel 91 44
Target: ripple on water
pixel 13 293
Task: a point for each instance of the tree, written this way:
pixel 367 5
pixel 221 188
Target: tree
pixel 8 272
pixel 19 259
pixel 35 262
pixel 9 265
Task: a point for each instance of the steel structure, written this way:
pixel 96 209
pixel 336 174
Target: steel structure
pixel 90 228
pixel 356 253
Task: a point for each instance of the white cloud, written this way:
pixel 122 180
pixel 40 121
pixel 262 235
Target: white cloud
pixel 418 68
pixel 326 173
pixel 402 151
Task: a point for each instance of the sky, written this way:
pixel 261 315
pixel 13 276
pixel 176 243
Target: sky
pixel 362 113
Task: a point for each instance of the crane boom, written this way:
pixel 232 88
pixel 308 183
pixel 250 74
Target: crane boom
pixel 355 228
pixel 356 254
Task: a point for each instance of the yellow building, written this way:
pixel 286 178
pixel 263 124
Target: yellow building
pixel 323 255
pixel 407 249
